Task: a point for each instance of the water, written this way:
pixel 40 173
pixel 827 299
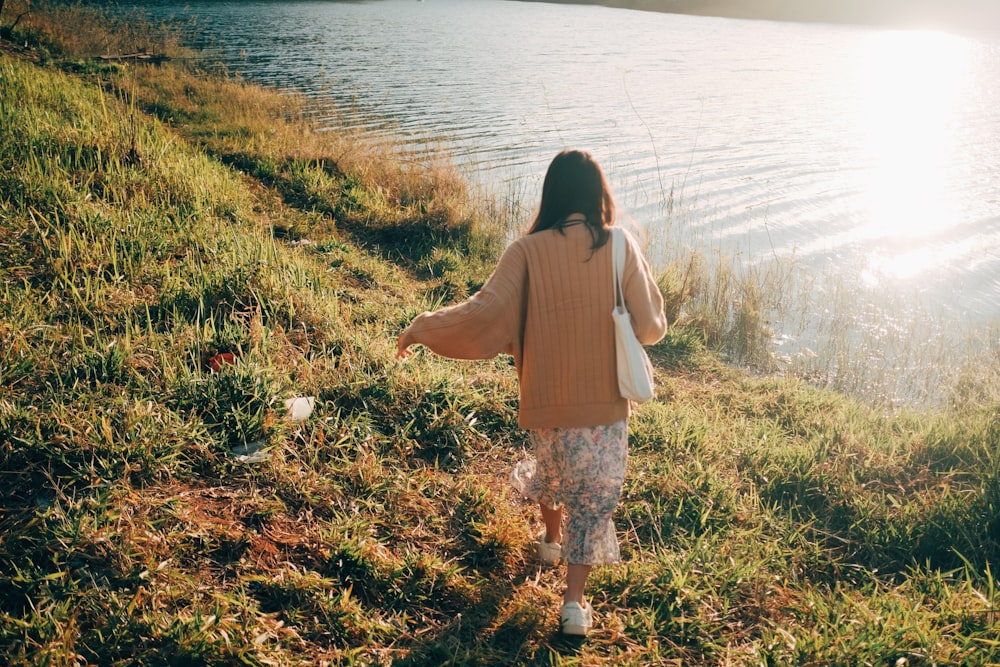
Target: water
pixel 869 155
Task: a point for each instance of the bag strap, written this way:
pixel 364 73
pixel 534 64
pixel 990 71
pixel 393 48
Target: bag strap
pixel 618 258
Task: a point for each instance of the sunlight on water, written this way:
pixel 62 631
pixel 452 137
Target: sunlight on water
pixel 913 87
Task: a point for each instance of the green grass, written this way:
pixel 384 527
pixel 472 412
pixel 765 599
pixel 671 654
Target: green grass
pixel 152 218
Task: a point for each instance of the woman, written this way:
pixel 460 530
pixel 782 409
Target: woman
pixel 548 304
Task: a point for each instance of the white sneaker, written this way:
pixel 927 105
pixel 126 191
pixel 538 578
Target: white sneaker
pixel 576 620
pixel 548 552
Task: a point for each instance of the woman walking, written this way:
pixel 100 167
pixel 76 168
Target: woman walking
pixel 548 304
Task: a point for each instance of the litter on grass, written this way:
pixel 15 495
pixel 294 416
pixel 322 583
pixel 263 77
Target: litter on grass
pixel 299 408
pixel 253 452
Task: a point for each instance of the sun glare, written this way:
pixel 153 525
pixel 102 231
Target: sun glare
pixel 911 84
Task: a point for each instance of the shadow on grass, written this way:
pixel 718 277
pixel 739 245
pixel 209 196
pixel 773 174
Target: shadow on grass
pixel 505 628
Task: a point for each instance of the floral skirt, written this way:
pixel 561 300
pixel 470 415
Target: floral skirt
pixel 581 469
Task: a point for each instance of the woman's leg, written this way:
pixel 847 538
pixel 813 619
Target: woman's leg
pixel 595 471
pixel 576 582
pixel 553 522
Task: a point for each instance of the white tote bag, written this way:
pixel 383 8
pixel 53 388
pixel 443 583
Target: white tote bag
pixel 635 372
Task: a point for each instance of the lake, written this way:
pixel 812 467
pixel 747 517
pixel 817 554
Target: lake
pixel 866 156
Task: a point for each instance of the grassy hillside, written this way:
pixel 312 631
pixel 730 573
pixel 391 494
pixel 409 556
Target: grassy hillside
pixel 158 508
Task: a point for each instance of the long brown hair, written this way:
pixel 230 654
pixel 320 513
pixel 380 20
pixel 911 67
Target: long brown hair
pixel 574 183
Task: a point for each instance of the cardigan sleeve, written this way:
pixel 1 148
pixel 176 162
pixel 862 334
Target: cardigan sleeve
pixel 642 297
pixel 488 323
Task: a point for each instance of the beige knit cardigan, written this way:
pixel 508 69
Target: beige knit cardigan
pixel 548 304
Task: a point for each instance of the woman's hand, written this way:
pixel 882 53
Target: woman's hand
pixel 403 347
